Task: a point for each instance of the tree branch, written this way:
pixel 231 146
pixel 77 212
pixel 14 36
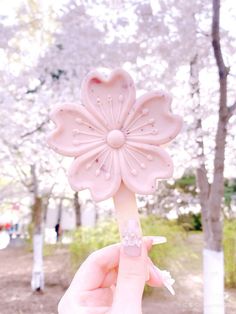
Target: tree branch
pixel 232 110
pixel 19 170
pixel 34 180
pixel 38 128
pixel 216 39
pixel 217 186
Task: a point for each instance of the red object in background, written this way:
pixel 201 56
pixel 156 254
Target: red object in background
pixel 7 226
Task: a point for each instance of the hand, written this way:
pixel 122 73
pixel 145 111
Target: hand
pixel 110 281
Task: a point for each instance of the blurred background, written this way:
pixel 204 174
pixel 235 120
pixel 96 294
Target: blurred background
pixel 46 229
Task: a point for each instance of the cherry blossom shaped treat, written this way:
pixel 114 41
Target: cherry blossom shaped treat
pixel 115 138
pixel 117 145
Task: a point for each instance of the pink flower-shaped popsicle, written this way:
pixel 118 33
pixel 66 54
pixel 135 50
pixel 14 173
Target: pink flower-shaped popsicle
pixel 114 137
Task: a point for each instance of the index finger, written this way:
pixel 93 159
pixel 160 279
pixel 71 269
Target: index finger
pixel 92 272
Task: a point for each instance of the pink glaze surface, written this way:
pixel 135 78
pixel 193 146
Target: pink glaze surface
pixel 114 137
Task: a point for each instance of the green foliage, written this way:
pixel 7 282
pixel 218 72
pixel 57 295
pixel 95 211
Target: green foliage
pixel 186 184
pixel 164 253
pixel 229 190
pixel 230 252
pixel 87 240
pixel 29 240
pixel 190 221
pixel 49 249
pixel 197 221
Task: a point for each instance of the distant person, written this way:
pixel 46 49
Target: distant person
pixel 57 229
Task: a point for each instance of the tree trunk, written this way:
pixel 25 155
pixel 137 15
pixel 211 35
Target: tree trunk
pixel 77 209
pixel 213 257
pixel 37 215
pixel 37 281
pixel 211 195
pixel 213 275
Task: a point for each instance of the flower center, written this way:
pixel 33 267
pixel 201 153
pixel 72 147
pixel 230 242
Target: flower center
pixel 115 138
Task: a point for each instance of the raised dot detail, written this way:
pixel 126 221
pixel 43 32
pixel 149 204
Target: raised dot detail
pixel 149 157
pixel 115 139
pixel 134 172
pixel 145 111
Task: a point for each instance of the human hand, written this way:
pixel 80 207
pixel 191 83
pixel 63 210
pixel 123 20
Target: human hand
pixel 112 282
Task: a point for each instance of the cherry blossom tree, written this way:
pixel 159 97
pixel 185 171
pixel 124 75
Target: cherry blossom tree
pixel 147 38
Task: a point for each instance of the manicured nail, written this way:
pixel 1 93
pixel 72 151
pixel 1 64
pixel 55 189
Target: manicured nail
pixel 131 238
pixel 166 279
pixel 158 240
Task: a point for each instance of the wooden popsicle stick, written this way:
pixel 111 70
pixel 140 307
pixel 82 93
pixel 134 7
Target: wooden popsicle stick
pixel 126 208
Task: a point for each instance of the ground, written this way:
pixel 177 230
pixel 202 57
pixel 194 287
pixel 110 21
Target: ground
pixel 17 298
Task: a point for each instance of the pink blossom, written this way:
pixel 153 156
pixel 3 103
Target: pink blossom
pixel 114 137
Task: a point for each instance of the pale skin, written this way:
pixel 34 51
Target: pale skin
pixel 111 282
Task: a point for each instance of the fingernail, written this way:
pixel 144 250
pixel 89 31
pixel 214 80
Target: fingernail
pixel 166 279
pixel 158 240
pixel 131 238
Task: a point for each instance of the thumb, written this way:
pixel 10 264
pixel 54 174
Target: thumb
pixel 132 275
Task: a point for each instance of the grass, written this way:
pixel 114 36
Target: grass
pixel 87 240
pixel 162 254
pixel 230 253
pixel 166 256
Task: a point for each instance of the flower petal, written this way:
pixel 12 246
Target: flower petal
pixel 142 164
pixel 97 170
pixel 150 120
pixel 109 98
pixel 76 132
